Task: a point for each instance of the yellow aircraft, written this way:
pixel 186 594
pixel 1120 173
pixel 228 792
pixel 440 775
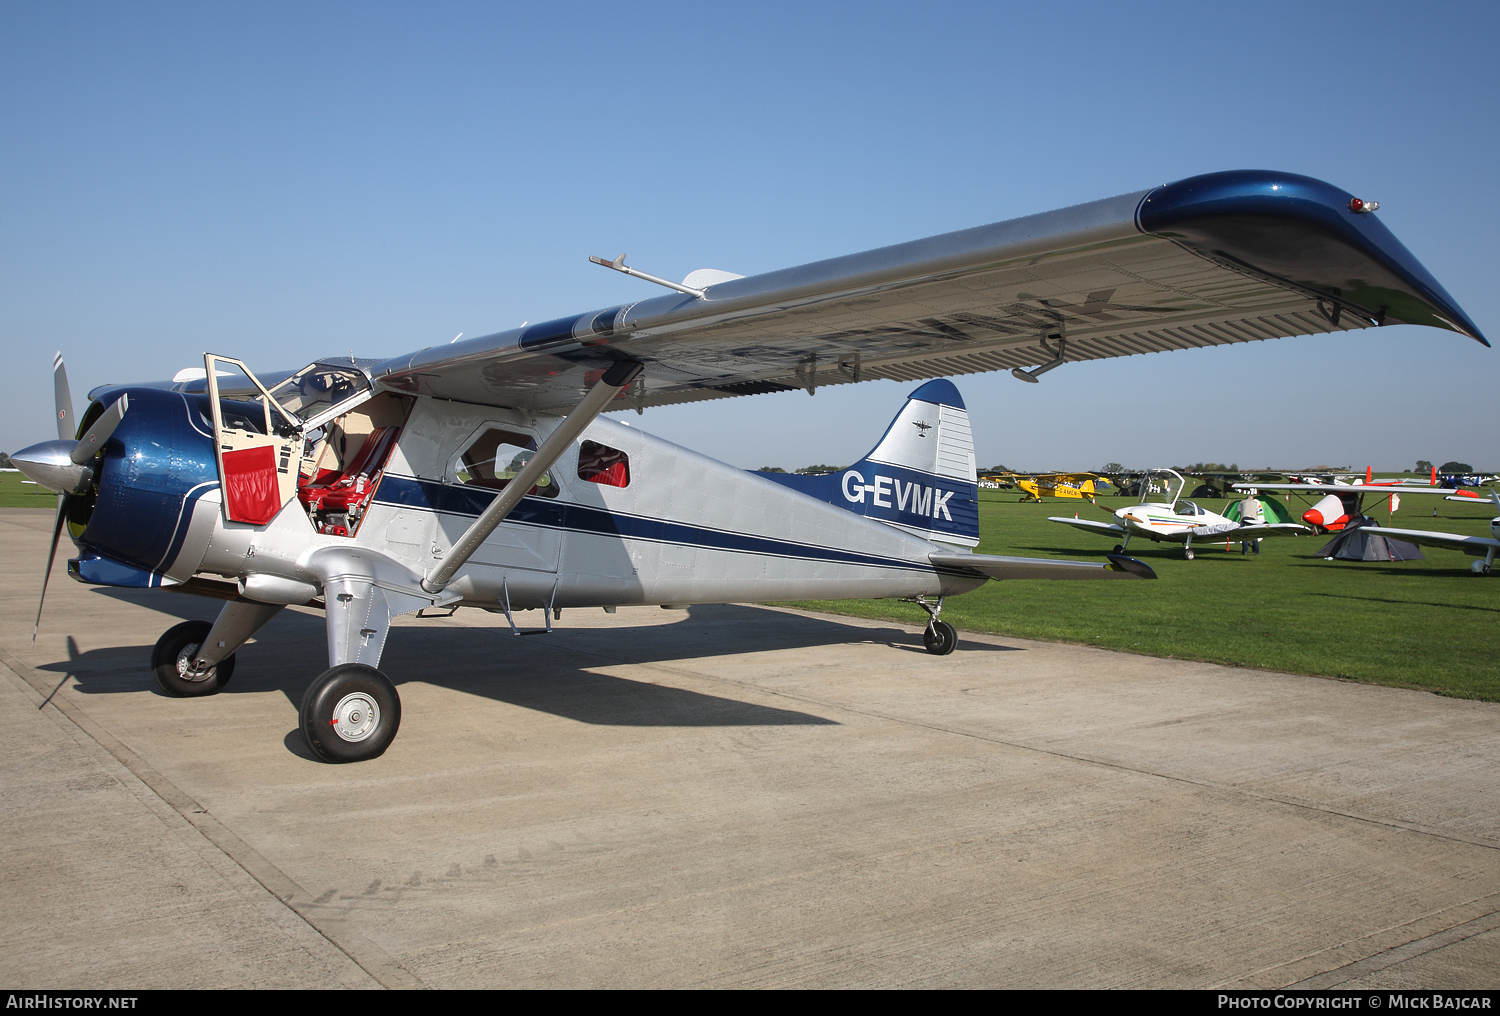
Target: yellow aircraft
pixel 1079 485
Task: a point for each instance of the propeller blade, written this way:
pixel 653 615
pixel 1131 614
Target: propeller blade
pixel 62 515
pixel 91 443
pixel 67 427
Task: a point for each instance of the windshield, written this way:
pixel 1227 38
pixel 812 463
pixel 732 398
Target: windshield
pixel 318 386
pixel 1161 486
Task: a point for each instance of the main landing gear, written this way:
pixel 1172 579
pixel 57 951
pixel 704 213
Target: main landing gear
pixel 940 638
pixel 350 713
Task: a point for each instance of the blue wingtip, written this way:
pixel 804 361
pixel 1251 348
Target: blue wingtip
pixel 940 392
pixel 1303 233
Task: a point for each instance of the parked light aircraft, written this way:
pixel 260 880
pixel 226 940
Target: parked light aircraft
pixel 1177 521
pixel 481 473
pixel 1075 485
pixel 1477 546
pixel 1342 502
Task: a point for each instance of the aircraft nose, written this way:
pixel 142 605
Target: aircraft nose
pixel 49 463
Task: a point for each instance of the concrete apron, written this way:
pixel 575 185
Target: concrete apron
pixel 731 796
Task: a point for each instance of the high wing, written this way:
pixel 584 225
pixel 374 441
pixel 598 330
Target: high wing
pixel 1088 525
pixel 995 567
pixel 1228 257
pixel 1338 488
pixel 1477 545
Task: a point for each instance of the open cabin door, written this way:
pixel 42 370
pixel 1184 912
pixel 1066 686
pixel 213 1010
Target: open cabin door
pixel 258 446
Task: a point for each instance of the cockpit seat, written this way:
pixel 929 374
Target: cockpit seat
pixel 339 491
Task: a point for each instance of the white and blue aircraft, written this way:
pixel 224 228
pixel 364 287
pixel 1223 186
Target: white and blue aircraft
pixel 482 473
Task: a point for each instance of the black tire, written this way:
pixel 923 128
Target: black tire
pixel 940 638
pixel 173 652
pixel 343 694
pixel 1119 548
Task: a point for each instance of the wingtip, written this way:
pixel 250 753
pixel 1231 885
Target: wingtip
pixel 1131 566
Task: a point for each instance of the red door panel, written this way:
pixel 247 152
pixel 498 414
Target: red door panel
pixel 250 491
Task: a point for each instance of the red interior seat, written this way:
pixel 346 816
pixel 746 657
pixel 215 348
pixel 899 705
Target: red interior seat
pixel 337 491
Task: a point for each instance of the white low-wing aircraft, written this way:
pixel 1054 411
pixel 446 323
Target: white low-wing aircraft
pixel 1163 515
pixel 481 474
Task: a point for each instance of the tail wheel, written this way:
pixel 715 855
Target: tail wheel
pixel 940 638
pixel 350 713
pixel 172 662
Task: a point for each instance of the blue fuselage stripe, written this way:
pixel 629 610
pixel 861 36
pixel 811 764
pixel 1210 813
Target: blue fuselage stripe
pixel 547 513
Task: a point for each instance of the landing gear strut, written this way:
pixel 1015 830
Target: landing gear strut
pixel 940 638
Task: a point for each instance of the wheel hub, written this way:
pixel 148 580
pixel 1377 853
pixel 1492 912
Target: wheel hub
pixel 356 716
pixel 185 668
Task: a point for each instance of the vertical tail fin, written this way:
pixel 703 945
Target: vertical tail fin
pixel 919 478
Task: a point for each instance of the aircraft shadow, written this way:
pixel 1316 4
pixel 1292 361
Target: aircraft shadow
pixel 554 674
pixel 1410 603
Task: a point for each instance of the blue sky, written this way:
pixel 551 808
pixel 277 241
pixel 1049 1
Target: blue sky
pixel 280 182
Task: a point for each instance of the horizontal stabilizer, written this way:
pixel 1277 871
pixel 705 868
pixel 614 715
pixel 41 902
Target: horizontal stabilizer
pixel 1089 525
pixel 994 567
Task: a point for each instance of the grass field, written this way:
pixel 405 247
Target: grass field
pixel 1414 624
pixel 15 494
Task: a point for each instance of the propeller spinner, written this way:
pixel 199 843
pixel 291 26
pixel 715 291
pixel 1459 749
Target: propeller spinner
pixel 64 465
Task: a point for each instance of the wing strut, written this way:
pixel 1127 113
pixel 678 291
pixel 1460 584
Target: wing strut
pixel 614 381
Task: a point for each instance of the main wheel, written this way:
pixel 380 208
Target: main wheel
pixel 350 713
pixel 171 662
pixel 1188 553
pixel 940 638
pixel 1119 548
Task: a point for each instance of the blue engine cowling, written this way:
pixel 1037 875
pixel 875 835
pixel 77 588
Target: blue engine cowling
pixel 154 468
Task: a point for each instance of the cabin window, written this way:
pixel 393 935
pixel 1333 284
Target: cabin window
pixel 599 463
pixel 495 458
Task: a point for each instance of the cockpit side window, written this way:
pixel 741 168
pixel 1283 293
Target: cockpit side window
pixel 599 463
pixel 494 459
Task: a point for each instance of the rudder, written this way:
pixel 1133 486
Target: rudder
pixel 920 477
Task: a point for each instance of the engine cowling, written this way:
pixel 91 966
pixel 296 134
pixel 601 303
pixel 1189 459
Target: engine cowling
pixel 132 523
pixel 1328 513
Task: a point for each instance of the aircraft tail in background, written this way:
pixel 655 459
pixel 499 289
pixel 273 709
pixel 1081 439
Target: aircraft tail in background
pixel 920 477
